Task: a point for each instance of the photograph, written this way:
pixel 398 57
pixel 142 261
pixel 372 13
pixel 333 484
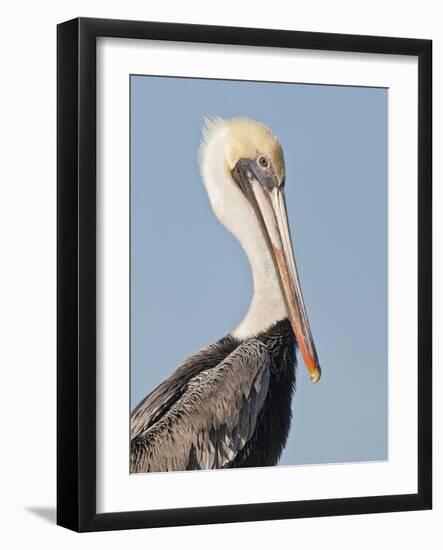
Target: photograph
pixel 220 273
pixel 258 274
pixel 244 318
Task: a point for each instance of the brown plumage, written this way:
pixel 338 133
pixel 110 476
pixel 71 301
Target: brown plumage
pixel 229 405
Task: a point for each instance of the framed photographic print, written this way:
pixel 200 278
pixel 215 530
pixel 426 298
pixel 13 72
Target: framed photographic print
pixel 244 274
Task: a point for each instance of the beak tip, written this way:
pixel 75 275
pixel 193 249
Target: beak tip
pixel 316 375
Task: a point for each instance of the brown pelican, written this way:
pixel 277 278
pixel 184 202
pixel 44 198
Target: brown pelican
pixel 229 405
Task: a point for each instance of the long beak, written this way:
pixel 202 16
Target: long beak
pixel 270 206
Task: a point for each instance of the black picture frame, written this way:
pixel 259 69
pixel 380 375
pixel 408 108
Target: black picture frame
pixel 76 273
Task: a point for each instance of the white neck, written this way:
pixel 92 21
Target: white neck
pixel 237 215
pixel 267 305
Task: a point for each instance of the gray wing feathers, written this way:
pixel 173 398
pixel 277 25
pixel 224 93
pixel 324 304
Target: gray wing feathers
pixel 153 406
pixel 213 419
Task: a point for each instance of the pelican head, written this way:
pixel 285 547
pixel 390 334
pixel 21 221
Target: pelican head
pixel 243 169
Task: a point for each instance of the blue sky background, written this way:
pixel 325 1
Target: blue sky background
pixel 191 283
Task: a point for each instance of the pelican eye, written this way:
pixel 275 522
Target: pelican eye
pixel 263 161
